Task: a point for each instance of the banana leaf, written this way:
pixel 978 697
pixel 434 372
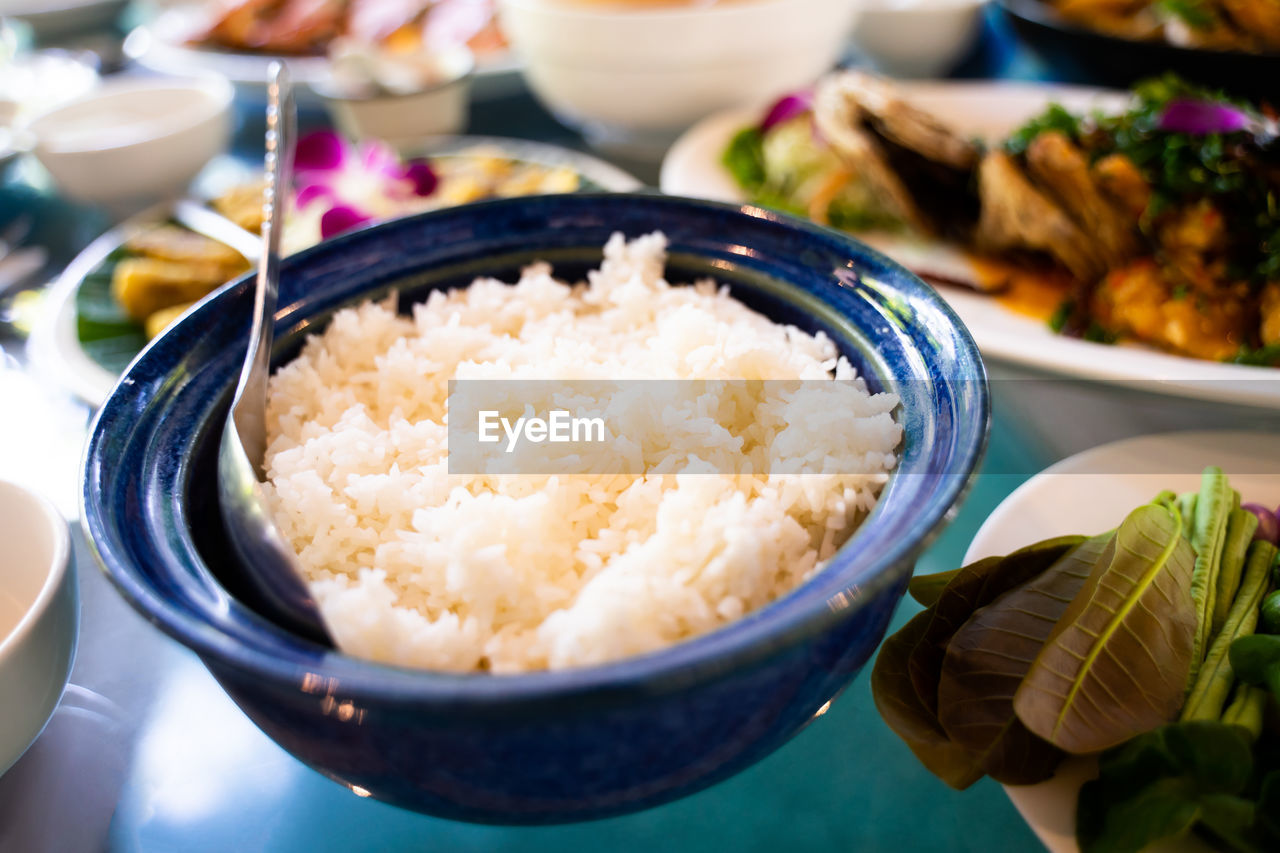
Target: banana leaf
pixel 976 585
pixel 987 659
pixel 1116 664
pixel 902 710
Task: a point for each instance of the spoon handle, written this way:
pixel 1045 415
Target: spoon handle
pixel 250 409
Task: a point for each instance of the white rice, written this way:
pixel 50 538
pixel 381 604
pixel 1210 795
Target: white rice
pixel 414 566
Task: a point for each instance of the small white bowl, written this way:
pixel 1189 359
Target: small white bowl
pixel 404 120
pixel 134 141
pixel 39 617
pixel 632 78
pixel 916 38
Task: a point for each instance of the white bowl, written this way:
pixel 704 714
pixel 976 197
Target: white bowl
pixel 916 38
pixel 39 617
pixel 403 121
pixel 134 141
pixel 634 77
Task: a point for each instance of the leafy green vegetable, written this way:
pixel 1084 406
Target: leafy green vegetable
pixel 987 659
pixel 744 158
pixel 1055 118
pixel 1241 525
pixel 1208 531
pixel 1212 685
pixel 1191 12
pixel 1162 783
pixel 1185 167
pixel 1116 663
pixel 927 589
pixel 1269 614
pixel 1256 660
pixel 1246 709
pixel 906 714
pixel 1266 356
pixel 977 585
pixel 106 334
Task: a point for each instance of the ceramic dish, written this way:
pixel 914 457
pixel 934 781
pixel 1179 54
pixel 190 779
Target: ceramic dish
pixel 173 128
pixel 1088 493
pixel 90 373
pixel 916 38
pixel 1120 62
pixel 52 19
pixel 39 616
pixel 160 46
pixel 549 746
pixel 631 78
pixel 989 110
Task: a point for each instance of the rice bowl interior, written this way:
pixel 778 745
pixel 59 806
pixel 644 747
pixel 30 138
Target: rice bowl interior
pixel 416 566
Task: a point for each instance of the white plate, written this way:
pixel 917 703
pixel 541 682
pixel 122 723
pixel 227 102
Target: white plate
pixel 1092 492
pixel 990 110
pixel 161 46
pixel 54 345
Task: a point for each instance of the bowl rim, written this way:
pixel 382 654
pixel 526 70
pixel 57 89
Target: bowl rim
pixel 280 657
pixel 330 91
pixel 220 95
pixel 657 12
pixel 55 573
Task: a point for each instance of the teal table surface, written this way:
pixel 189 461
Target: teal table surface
pixel 146 753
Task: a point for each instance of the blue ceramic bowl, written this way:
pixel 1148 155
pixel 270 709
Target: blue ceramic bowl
pixel 567 745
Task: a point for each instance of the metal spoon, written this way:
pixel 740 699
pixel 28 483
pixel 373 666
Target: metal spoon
pixel 269 562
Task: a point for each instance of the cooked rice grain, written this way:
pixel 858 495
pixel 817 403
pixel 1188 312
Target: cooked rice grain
pixel 414 566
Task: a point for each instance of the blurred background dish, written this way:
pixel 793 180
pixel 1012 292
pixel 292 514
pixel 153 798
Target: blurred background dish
pixel 85 335
pixel 239 40
pixel 631 77
pixel 916 38
pixel 52 19
pixel 133 141
pixel 1115 60
pixel 39 615
pixel 432 102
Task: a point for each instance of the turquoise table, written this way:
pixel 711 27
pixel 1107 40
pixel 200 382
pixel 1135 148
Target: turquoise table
pixel 147 754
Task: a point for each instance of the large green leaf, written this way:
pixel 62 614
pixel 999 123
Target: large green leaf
pixel 1116 664
pixel 901 708
pixel 989 656
pixel 974 586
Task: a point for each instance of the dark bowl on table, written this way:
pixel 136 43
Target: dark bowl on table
pixel 1091 56
pixel 550 746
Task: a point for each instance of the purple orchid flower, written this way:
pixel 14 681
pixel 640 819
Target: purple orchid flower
pixel 1199 118
pixel 340 218
pixel 422 176
pixel 320 151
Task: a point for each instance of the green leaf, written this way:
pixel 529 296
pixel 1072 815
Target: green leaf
pixel 1162 783
pixel 1116 664
pixel 106 334
pixel 1158 810
pixel 744 158
pixel 1267 809
pixel 989 656
pixel 974 586
pixel 902 710
pixel 1255 659
pixel 927 589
